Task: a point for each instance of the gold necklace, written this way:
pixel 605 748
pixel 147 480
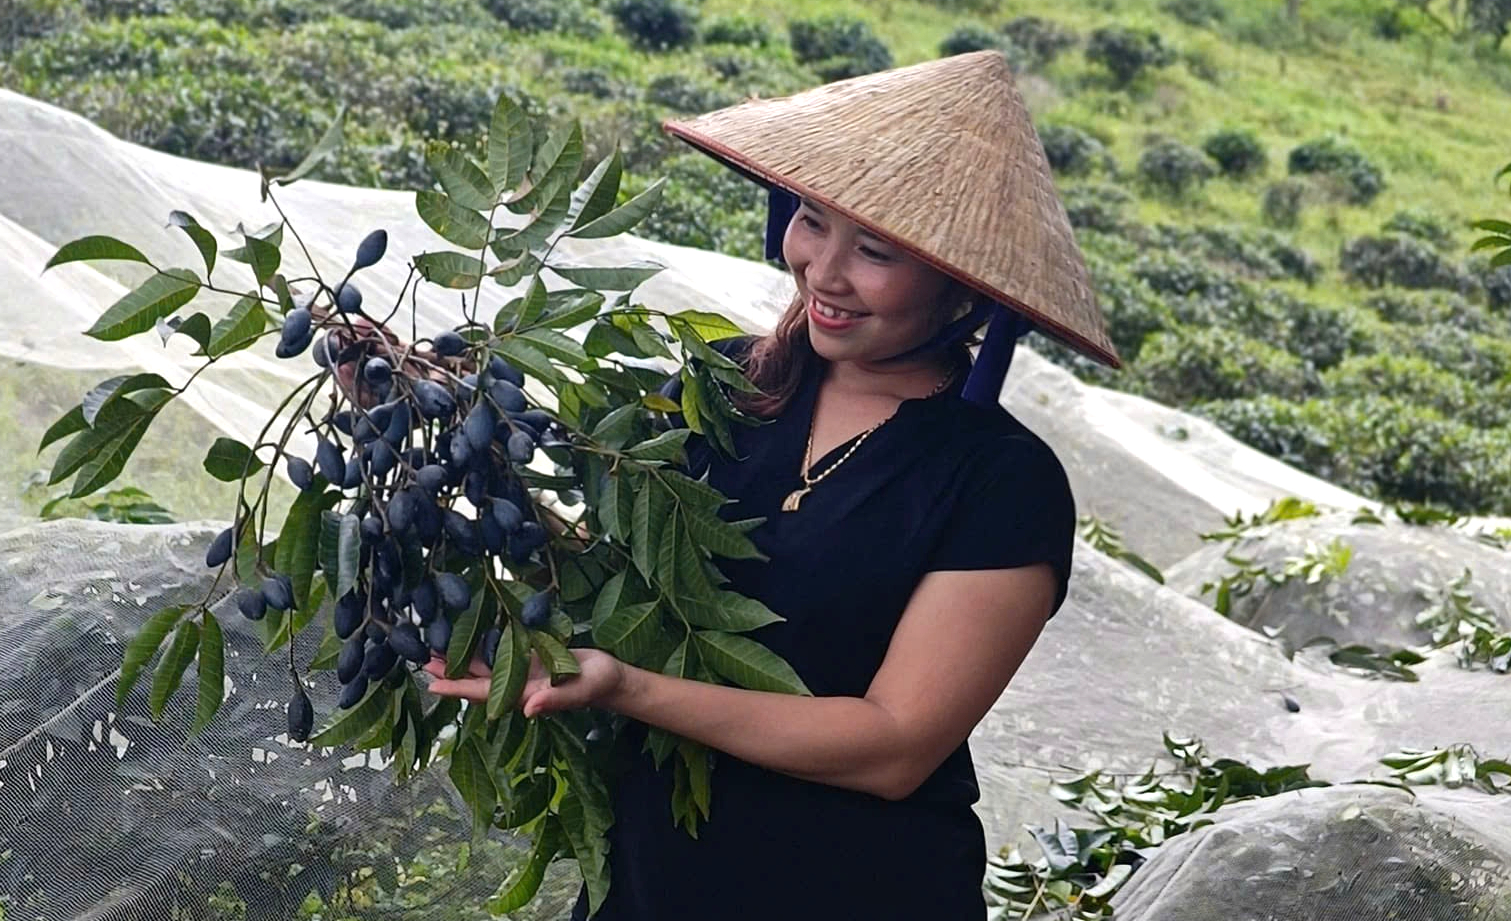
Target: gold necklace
pixel 795 498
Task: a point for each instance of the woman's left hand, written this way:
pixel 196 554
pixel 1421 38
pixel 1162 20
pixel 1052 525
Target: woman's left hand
pixel 601 677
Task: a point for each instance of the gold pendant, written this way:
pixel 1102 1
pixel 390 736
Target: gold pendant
pixel 794 498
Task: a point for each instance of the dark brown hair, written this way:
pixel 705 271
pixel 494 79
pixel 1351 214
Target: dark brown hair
pixel 778 361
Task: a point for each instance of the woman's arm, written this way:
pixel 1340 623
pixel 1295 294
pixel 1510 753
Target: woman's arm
pixel 961 638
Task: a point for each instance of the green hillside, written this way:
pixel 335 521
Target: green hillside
pixel 1275 208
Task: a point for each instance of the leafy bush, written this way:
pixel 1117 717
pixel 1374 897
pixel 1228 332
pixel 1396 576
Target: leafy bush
pixel 1417 380
pixel 1291 432
pixel 1127 52
pixel 592 81
pixel 968 38
pixel 1257 255
pixel 572 16
pixel 1282 201
pixel 1359 181
pixel 1485 359
pixel 1200 13
pixel 1432 308
pixel 1319 334
pixel 1133 310
pixel 837 47
pixel 1400 260
pixel 747 71
pixel 1497 285
pixel 686 94
pixel 1392 23
pixel 1173 168
pixel 1238 152
pixel 1073 151
pixel 1096 206
pixel 707 206
pixel 738 30
pixel 1422 224
pixel 1040 39
pixel 1187 365
pixel 656 25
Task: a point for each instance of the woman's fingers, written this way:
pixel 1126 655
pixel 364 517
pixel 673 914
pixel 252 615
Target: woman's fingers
pixel 473 689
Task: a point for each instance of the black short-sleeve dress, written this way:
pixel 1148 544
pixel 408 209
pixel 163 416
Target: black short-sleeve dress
pixel 943 485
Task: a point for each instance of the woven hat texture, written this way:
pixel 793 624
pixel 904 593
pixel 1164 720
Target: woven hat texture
pixel 942 159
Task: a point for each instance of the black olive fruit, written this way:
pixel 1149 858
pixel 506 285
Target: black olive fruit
pixel 349 298
pixel 401 511
pixel 349 612
pixel 301 716
pixel 354 691
pixel 521 447
pixel 508 396
pixel 301 474
pixel 489 646
pixel 371 529
pixel 423 600
pixel 296 323
pixel 433 400
pixel 399 424
pixel 479 426
pixel 501 370
pixel 349 662
pixel 352 478
pixel 379 659
pixel 453 590
pixel 343 422
pixel 508 515
pixel 467 388
pixel 278 591
pixel 382 459
pixel 431 478
pixel 325 352
pixel 371 249
pixel 537 611
pixel 251 604
pixel 405 640
pixel 449 343
pixel 438 634
pixel 377 371
pixel 220 548
pixel 492 534
pixel 328 459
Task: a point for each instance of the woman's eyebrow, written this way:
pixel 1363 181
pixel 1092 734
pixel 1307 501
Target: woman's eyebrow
pixel 815 207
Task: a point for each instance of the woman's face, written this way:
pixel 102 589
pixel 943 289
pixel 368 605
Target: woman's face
pixel 866 299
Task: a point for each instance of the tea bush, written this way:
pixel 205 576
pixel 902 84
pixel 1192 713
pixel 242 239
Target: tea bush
pixel 1173 168
pixel 1238 152
pixel 837 47
pixel 1127 52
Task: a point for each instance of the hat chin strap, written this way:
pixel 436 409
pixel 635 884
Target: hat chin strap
pixel 988 371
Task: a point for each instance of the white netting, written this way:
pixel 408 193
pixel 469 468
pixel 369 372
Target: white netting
pixel 104 815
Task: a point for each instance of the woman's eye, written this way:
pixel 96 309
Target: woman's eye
pixel 808 222
pixel 870 253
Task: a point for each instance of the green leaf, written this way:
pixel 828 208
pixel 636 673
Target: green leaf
pixel 631 630
pixel 651 509
pixel 720 537
pixel 726 611
pixel 511 666
pixel 203 240
pixel 455 224
pixel 196 327
pixel 354 722
pixel 144 645
pixel 607 601
pixel 661 404
pixel 261 254
pixel 101 453
pixel 664 447
pixel 91 248
pixel 340 551
pixel 228 459
pixel 608 278
pixel 239 328
pixel 468 626
pixel 509 146
pixel 140 309
pixel 103 392
pixel 527 358
pixel 525 880
pixel 710 327
pixel 579 307
pixel 462 179
pixel 597 194
pixel 69 423
pixel 555 345
pixel 533 235
pixel 299 541
pixel 624 217
pixel 1500 227
pixel 1501 259
pixel 212 672
pixel 532 304
pixel 586 830
pixel 554 166
pixel 470 773
pixel 511 272
pixel 323 150
pixel 1490 243
pixel 171 667
pixel 747 663
pixel 449 269
pixel 553 655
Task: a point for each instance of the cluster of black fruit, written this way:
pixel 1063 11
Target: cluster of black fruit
pixel 422 444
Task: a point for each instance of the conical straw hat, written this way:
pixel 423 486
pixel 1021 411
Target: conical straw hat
pixel 940 158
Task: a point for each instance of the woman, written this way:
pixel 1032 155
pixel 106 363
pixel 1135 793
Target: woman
pixel 918 537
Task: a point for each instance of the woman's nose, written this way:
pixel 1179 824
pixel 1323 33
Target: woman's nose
pixel 826 269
